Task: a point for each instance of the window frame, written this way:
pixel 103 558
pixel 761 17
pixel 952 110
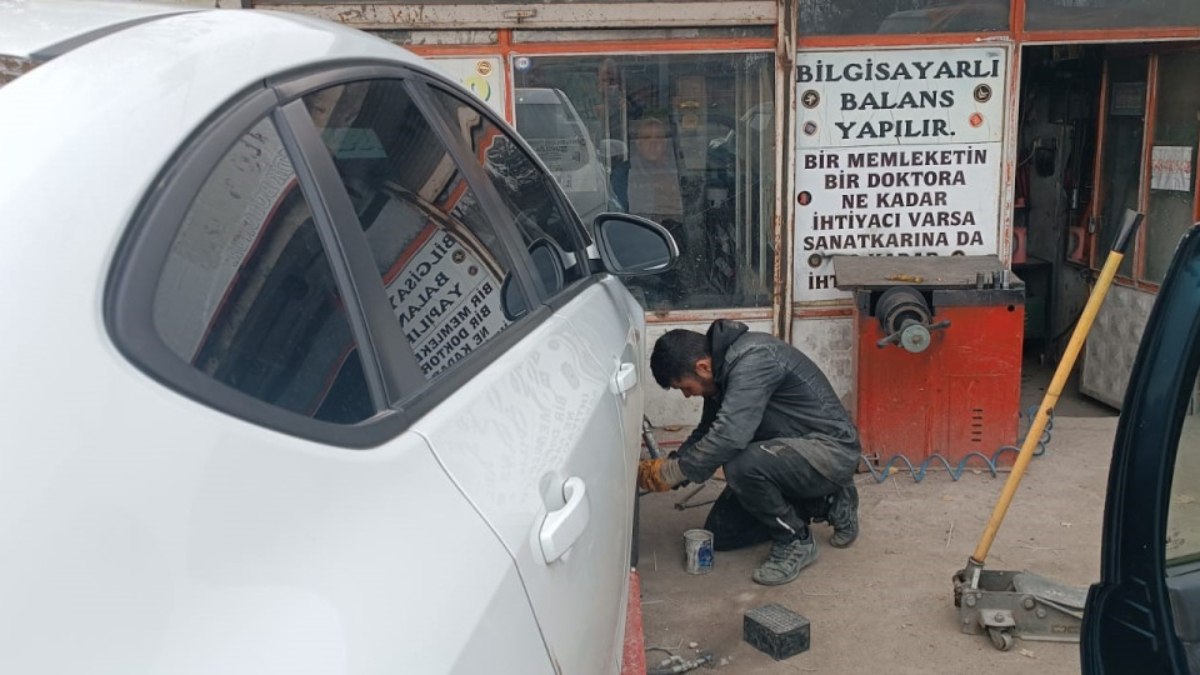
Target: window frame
pixel 142 254
pixel 397 387
pixel 475 173
pixel 1139 279
pixel 417 396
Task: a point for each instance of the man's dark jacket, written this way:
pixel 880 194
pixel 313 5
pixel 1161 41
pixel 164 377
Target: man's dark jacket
pixel 768 390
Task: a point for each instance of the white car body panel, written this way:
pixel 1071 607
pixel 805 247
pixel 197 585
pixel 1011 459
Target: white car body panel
pixel 33 27
pixel 547 408
pixel 144 532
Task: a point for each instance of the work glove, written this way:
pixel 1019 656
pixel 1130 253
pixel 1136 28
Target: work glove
pixel 659 475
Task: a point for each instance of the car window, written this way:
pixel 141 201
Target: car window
pixel 1183 516
pixel 442 264
pixel 528 194
pixel 247 293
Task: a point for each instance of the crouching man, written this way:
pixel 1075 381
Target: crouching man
pixel 772 420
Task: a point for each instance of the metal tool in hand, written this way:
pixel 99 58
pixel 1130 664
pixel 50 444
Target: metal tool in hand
pixel 649 440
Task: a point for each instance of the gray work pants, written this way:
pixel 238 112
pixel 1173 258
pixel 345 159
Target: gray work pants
pixel 772 492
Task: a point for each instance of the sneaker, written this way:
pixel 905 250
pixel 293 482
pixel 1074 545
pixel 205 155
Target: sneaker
pixel 785 561
pixel 843 516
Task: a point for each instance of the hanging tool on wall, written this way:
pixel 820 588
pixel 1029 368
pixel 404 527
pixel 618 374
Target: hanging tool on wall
pixel 1013 604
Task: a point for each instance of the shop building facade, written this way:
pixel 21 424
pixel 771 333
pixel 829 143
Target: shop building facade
pixel 771 136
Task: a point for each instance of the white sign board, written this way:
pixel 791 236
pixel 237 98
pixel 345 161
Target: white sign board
pixel 1171 168
pixel 899 153
pixel 483 75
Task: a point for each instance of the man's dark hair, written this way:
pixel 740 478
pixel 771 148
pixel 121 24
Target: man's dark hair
pixel 675 355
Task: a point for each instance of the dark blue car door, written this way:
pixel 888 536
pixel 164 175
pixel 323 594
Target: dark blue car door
pixel 1144 614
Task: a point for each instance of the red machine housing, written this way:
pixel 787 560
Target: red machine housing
pixel 961 394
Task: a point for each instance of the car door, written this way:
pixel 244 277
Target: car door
pixel 471 247
pixel 279 516
pixel 1144 614
pixel 604 315
pixel 569 453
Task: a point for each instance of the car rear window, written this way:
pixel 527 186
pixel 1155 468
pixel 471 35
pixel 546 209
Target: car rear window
pixel 247 294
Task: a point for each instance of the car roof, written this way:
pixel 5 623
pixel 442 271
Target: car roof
pixel 39 30
pixel 86 133
pixel 538 96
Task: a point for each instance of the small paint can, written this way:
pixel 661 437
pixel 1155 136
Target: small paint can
pixel 698 551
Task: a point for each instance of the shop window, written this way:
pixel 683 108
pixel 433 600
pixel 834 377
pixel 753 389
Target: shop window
pixel 687 140
pixel 1172 165
pixel 1123 140
pixel 858 17
pixel 1084 14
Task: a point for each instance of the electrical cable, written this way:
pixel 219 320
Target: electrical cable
pixel 918 471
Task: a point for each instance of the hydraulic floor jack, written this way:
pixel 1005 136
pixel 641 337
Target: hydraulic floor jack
pixel 1020 604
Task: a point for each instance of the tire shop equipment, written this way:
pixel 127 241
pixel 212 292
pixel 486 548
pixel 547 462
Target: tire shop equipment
pixel 937 356
pixel 1019 604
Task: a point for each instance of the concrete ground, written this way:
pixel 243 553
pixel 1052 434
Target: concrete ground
pixel 886 603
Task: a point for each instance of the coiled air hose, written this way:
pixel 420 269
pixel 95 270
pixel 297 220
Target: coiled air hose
pixel 918 471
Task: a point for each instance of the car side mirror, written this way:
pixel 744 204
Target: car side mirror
pixel 632 246
pixel 512 299
pixel 547 264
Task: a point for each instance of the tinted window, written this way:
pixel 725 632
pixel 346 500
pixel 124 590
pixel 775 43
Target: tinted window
pixel 527 193
pixel 440 260
pixel 247 294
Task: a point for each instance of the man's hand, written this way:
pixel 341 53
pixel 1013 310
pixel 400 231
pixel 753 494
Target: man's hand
pixel 650 475
pixel 659 475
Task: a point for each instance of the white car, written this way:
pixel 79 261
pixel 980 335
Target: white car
pixel 309 365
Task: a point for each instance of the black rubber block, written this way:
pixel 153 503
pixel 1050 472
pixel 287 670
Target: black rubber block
pixel 776 630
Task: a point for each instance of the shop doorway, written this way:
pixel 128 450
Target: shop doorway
pixel 1104 129
pixel 1055 188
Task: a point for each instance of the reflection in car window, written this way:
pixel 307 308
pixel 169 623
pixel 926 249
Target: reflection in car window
pixel 549 123
pixel 440 260
pixel 1183 516
pixel 247 294
pixel 525 190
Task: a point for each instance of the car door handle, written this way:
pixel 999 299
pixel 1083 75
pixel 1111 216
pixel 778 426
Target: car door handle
pixel 625 378
pixel 563 527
